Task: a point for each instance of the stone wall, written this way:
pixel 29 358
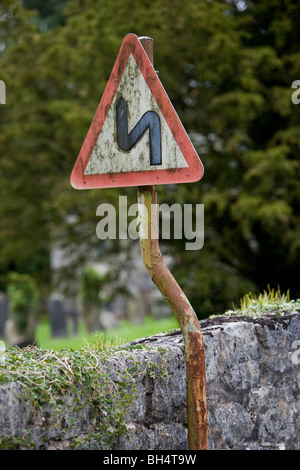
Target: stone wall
pixel 253 391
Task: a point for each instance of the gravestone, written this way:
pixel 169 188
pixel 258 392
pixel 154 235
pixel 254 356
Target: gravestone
pixel 72 317
pixel 57 315
pixel 3 313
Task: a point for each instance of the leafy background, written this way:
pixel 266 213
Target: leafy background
pixel 227 66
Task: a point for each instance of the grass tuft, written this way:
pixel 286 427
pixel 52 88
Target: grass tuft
pixel 269 302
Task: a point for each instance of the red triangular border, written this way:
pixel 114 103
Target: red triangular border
pixel 132 45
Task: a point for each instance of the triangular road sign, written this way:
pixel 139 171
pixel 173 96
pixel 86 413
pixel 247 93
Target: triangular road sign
pixel 136 137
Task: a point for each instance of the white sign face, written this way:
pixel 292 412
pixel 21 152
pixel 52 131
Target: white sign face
pixel 107 157
pixel 136 138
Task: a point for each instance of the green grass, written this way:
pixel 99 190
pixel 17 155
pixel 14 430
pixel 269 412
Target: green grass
pixel 126 332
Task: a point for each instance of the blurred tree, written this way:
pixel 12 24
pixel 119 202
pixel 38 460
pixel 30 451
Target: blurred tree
pixel 23 307
pixel 50 13
pixel 240 112
pixel 252 173
pixel 227 66
pixel 91 286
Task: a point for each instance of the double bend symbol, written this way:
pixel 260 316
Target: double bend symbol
pixel 150 120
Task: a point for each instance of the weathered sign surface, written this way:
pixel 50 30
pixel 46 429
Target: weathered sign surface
pixel 136 137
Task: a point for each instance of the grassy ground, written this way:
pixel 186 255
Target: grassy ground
pixel 125 333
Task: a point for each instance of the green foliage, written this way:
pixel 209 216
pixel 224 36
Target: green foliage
pixel 91 284
pixel 23 303
pixel 92 296
pixel 268 302
pixel 228 71
pixel 50 13
pixel 95 377
pixel 48 377
pixel 23 293
pixel 267 297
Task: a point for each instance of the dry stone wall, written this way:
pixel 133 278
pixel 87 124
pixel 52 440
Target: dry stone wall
pixel 253 391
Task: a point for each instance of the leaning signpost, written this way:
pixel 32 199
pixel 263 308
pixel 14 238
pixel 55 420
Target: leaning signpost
pixel 137 139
